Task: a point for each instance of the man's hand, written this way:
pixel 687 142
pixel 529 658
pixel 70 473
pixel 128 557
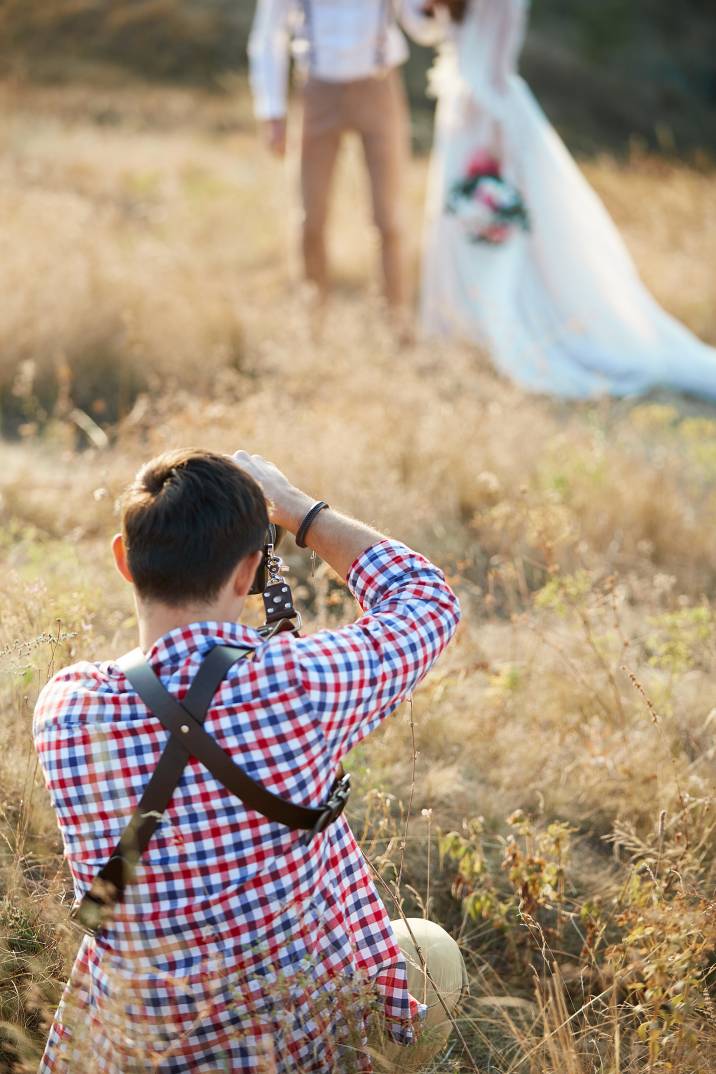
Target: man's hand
pixel 336 539
pixel 275 135
pixel 454 8
pixel 287 505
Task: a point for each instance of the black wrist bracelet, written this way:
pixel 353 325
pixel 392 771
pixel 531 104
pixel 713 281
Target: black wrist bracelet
pixel 308 522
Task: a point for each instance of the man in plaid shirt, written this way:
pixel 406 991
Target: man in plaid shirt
pixel 237 947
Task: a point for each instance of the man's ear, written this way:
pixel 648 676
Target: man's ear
pixel 245 573
pixel 120 557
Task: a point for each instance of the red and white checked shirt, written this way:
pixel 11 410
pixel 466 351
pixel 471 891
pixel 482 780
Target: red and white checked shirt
pixel 236 946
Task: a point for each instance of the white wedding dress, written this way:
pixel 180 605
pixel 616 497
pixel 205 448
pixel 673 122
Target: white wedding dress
pixel 559 307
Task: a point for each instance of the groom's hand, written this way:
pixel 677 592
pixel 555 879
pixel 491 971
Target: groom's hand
pixel 275 135
pixel 454 8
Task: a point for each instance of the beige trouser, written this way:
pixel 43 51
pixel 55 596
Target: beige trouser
pixel 376 109
pixel 447 970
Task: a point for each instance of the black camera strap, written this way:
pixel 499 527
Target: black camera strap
pixel 184 719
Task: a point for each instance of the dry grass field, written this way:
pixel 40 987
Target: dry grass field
pixel 551 788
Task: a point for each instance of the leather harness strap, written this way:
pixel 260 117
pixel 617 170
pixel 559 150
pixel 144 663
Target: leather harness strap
pixel 189 739
pixel 180 720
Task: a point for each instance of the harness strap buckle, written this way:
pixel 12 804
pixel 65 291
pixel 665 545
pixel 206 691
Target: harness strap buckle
pixel 95 910
pixel 336 803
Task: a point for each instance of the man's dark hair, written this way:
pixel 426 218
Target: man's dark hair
pixel 188 519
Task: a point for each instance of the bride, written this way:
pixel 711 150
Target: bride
pixel 520 254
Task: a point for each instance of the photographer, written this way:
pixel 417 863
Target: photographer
pixel 237 942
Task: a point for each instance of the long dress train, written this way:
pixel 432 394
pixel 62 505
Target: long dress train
pixel 560 307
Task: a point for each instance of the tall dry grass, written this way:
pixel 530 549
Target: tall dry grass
pixel 549 794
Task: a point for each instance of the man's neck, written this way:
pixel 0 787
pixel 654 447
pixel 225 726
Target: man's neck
pixel 156 620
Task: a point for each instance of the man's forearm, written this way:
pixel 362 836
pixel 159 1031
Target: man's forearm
pixel 336 538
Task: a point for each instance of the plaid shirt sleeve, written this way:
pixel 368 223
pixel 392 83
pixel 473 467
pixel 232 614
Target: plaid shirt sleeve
pixel 356 676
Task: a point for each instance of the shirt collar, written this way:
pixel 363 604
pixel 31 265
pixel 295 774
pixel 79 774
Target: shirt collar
pixel 200 638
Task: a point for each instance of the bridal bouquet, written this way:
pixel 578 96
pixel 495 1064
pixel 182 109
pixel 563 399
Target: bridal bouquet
pixel 488 207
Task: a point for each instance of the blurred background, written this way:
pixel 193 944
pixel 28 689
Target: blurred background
pixel 606 72
pixel 129 164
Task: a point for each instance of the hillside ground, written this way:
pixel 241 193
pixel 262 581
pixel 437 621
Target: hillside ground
pixel 549 795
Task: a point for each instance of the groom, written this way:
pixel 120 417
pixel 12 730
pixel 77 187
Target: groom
pixel 349 53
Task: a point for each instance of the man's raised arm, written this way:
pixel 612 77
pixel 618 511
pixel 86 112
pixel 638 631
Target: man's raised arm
pixel 268 65
pixel 357 675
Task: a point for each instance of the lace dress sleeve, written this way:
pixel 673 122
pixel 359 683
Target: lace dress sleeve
pixel 509 27
pixel 486 46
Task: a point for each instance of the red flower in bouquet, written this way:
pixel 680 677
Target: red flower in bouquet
pixel 496 234
pixel 483 163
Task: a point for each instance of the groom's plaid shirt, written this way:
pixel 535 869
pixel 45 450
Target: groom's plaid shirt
pixel 234 948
